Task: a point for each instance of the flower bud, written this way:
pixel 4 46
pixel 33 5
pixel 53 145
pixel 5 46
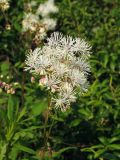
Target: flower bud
pixel 32 79
pixel 43 81
pixel 1 76
pixel 8 26
pixel 16 83
pixel 8 91
pixel 12 91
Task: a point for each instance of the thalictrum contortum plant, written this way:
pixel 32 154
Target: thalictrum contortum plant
pixel 4 5
pixel 62 65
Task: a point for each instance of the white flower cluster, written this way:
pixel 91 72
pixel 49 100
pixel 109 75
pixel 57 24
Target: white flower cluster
pixel 46 8
pixel 30 22
pixel 62 65
pixel 4 5
pixel 33 23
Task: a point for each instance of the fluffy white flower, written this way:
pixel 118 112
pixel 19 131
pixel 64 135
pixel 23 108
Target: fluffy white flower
pixel 30 22
pixel 53 83
pixel 46 8
pixel 60 69
pixel 67 91
pixel 31 59
pixel 80 63
pixel 4 4
pixel 65 97
pixel 36 62
pixel 77 77
pixel 64 65
pixel 69 45
pixel 49 23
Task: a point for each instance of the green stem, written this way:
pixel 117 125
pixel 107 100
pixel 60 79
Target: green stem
pixel 47 116
pixel 46 122
pixel 50 129
pixel 5 16
pixel 45 131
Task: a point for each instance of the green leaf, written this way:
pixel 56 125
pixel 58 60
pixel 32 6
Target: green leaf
pixel 114 139
pixel 5 67
pixel 21 114
pixel 10 107
pixel 56 154
pixel 75 123
pixel 13 105
pixel 106 59
pixel 56 118
pixel 2 150
pixel 97 146
pixel 88 150
pixel 114 146
pixel 14 153
pixel 39 107
pixel 86 112
pixel 25 149
pixel 99 153
pixel 104 140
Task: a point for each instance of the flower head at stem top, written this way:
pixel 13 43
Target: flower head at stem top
pixel 63 63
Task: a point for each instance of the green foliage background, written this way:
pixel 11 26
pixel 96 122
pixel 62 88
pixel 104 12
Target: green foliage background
pixel 90 130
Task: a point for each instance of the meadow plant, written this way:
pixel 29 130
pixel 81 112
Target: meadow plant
pixel 53 109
